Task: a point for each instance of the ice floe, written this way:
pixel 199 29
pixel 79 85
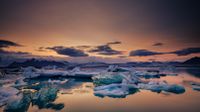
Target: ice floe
pixel 30 72
pixel 76 72
pixel 115 90
pixel 195 86
pixel 107 78
pixel 18 103
pixel 20 82
pixel 57 81
pixel 114 84
pixel 116 68
pixel 161 86
pixel 44 98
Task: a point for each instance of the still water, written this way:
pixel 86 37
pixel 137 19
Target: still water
pixel 77 96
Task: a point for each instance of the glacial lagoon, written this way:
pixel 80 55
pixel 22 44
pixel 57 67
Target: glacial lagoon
pixel 77 95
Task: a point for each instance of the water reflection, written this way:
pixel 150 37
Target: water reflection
pixel 194 72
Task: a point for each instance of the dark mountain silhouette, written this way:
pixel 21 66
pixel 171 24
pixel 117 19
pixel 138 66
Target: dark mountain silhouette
pixel 193 61
pixel 37 63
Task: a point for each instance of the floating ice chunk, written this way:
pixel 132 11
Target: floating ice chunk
pixel 107 78
pixel 57 81
pixel 20 82
pixel 195 86
pixel 76 72
pixel 52 73
pixel 30 72
pixel 145 74
pixel 6 93
pixel 18 103
pixel 44 96
pixel 116 68
pixel 115 77
pixel 115 90
pixel 161 86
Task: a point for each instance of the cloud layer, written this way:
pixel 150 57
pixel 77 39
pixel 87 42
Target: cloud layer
pixel 106 49
pixel 144 52
pixel 187 51
pixel 68 51
pixel 158 44
pixel 182 52
pixel 6 43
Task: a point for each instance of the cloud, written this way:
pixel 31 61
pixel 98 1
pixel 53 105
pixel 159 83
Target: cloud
pixel 187 51
pixel 115 42
pixel 106 49
pixel 158 44
pixel 6 43
pixel 9 56
pixel 182 52
pixel 69 51
pixel 4 52
pixel 144 52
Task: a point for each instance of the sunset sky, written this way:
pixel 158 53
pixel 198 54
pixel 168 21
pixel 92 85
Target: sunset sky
pixel 100 30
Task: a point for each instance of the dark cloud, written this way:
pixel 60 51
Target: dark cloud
pixel 182 52
pixel 144 52
pixel 158 44
pixel 106 49
pixel 115 42
pixel 6 43
pixel 4 52
pixel 69 51
pixel 187 51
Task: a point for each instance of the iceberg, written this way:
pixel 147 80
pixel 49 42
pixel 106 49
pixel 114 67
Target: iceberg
pixel 111 92
pixel 57 81
pixel 106 78
pixel 18 103
pixel 20 82
pixel 76 72
pixel 161 86
pixel 195 86
pixel 115 84
pixel 30 72
pixel 52 73
pixel 115 90
pixel 146 75
pixel 116 68
pixel 44 96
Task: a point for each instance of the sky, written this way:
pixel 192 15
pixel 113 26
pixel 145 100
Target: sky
pixel 100 30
